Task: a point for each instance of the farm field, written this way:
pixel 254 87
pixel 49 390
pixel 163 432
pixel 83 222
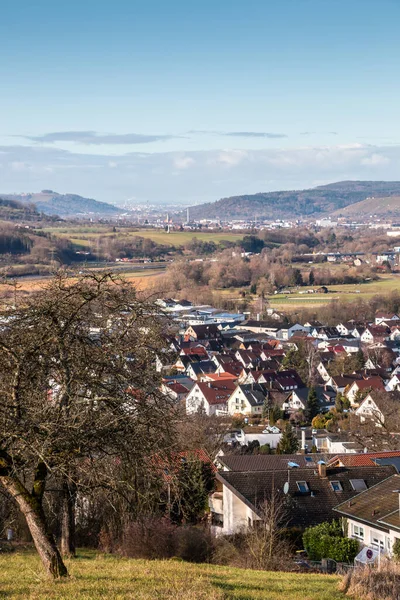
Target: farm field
pixel 141 279
pixel 347 292
pixel 105 577
pixel 84 236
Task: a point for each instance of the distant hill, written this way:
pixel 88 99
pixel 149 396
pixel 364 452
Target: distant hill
pixel 12 210
pixel 324 199
pixel 65 205
pixel 388 208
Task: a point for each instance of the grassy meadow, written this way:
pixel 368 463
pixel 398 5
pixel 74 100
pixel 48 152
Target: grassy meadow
pixel 103 577
pixel 84 236
pixel 347 292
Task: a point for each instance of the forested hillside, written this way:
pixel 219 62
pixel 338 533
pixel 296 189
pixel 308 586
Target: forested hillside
pixel 65 205
pixel 296 203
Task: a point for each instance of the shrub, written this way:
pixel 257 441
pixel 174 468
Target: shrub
pixel 194 544
pixel 158 538
pixel 225 552
pixel 326 541
pixel 396 549
pixel 151 538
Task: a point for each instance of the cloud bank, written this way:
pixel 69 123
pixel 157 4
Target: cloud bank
pixel 191 177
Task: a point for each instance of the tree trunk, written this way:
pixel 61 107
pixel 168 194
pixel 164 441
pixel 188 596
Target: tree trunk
pixel 44 541
pixel 68 519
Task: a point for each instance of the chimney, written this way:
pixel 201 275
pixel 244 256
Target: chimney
pixel 322 470
pixel 303 441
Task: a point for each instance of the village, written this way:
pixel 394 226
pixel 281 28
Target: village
pixel 309 410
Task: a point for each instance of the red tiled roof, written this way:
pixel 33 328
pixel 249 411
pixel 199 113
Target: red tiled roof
pixel 178 388
pixel 169 466
pixel 375 383
pixel 216 392
pixel 359 460
pixel 199 350
pixel 220 376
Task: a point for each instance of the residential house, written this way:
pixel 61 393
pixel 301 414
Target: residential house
pixel 298 399
pixel 175 390
pixel 339 382
pixel 371 408
pixel 259 327
pixel 251 433
pixel 393 383
pixel 382 317
pixel 247 400
pixel 202 332
pixel 335 443
pixel 375 333
pixel 209 397
pixel 363 386
pixel 287 331
pixel 323 365
pixel 282 381
pixel 366 459
pixel 373 515
pixel 312 493
pixel 325 333
pixel 196 370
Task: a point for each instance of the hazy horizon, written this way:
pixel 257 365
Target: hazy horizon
pixel 169 103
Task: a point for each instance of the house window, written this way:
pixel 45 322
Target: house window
pixel 358 532
pixel 377 543
pixel 217 520
pixel 302 486
pixel 358 485
pixel 336 486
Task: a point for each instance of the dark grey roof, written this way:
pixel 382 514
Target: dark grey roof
pixel 253 396
pixel 204 366
pixel 305 508
pixel 271 462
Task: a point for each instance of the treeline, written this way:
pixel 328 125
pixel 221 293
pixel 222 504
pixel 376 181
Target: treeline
pixel 264 273
pixel 115 246
pixel 14 241
pixel 359 310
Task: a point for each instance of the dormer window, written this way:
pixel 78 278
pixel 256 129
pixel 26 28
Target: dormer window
pixel 336 486
pixel 302 487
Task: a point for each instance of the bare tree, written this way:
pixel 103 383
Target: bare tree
pixel 78 392
pixel 266 547
pixel 380 429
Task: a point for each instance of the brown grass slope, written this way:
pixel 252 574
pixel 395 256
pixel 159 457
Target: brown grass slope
pixel 384 208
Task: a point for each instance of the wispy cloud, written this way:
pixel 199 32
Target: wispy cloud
pixel 323 133
pixel 96 139
pixel 255 134
pixel 241 134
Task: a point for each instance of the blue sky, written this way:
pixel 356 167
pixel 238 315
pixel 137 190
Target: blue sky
pixel 172 101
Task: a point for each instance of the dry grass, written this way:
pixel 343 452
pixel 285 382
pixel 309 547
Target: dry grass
pixel 101 577
pixel 373 584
